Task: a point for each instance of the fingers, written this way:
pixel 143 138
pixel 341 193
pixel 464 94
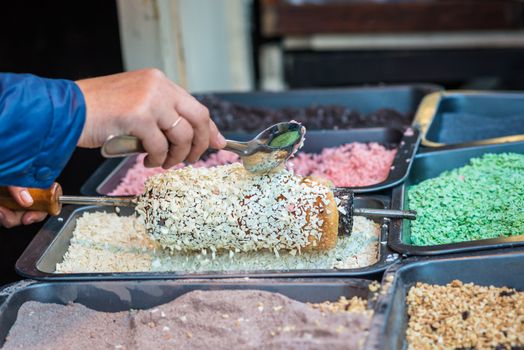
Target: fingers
pixel 216 141
pixel 21 195
pixel 30 217
pixel 198 117
pixel 186 144
pixel 143 103
pixel 155 144
pixel 168 144
pixel 9 218
pixel 181 139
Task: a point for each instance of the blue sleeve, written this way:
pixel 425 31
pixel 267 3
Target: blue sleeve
pixel 40 123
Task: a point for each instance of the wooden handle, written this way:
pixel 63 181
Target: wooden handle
pixel 43 200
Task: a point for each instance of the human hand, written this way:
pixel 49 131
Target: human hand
pixel 172 125
pixel 10 218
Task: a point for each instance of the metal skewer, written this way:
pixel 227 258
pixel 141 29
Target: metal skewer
pixel 50 201
pixel 101 201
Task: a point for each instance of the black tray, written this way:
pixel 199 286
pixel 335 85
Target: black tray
pixel 505 268
pixel 48 247
pixel 451 119
pixel 107 177
pixel 117 296
pixel 402 98
pixel 430 165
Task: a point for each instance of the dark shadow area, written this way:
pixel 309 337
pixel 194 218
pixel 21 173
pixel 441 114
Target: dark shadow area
pixel 56 39
pixel 497 69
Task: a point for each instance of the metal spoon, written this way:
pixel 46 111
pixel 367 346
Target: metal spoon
pixel 260 155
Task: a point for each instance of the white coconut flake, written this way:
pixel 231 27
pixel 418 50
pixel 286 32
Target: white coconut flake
pixel 244 215
pixel 85 254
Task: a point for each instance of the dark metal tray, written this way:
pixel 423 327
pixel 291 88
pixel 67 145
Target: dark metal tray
pixel 107 177
pixel 504 268
pixel 114 296
pixel 48 247
pixel 430 165
pixel 452 119
pixel 402 98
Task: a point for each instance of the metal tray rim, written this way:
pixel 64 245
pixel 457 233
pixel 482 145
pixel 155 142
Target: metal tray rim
pixel 429 105
pixel 6 291
pixel 415 261
pixel 12 296
pixel 396 243
pixel 385 87
pixel 390 282
pixel 27 264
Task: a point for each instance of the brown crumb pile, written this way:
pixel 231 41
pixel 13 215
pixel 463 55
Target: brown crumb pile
pixel 465 316
pixel 354 304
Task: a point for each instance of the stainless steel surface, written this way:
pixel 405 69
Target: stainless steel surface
pixel 386 213
pixel 260 158
pixel 430 165
pixel 129 294
pixel 466 101
pixel 112 201
pixel 53 240
pixel 257 156
pixel 344 194
pixel 120 146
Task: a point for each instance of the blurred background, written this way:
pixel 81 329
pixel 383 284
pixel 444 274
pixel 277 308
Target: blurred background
pixel 242 45
pixel 210 45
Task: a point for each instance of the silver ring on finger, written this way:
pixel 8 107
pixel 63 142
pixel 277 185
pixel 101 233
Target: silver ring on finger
pixel 173 125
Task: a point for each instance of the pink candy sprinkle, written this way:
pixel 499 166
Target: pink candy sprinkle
pixel 351 165
pixel 136 176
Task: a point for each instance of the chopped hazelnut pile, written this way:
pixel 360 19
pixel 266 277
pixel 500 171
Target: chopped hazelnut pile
pixel 355 304
pixel 228 208
pixel 465 316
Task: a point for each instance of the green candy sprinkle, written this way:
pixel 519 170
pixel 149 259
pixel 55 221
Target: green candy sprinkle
pixel 285 139
pixel 484 199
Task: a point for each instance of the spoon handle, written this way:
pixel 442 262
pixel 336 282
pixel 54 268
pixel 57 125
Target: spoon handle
pixel 121 146
pixel 125 145
pixel 236 147
pixel 386 213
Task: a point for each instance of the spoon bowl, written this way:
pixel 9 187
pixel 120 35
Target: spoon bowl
pixel 270 148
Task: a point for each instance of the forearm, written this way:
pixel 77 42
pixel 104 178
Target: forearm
pixel 40 123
